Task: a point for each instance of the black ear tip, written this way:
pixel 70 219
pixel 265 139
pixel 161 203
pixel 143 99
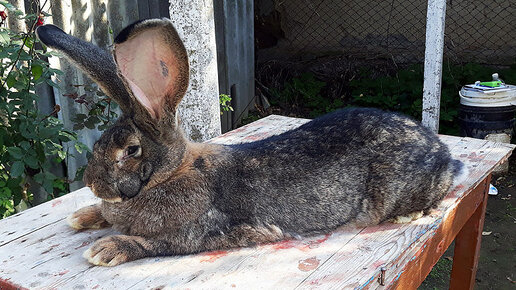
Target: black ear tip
pixel 140 24
pixel 47 33
pixel 124 34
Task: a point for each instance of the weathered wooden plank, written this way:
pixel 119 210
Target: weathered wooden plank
pixel 46 257
pixel 385 246
pixel 38 217
pixel 260 129
pixel 289 261
pixel 467 248
pixel 350 257
pixel 417 262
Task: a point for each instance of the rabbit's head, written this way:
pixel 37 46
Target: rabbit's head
pixel 147 77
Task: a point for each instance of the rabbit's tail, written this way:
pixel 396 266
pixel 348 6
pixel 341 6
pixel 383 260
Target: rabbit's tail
pixel 459 172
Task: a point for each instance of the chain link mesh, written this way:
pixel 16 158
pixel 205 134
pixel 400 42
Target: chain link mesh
pixel 476 31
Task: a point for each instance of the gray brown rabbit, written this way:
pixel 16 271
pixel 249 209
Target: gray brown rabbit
pixel 169 196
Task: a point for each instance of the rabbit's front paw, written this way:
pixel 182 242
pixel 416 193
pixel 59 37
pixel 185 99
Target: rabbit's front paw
pixel 113 250
pixel 88 217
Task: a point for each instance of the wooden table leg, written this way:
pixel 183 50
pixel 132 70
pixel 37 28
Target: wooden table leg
pixel 467 248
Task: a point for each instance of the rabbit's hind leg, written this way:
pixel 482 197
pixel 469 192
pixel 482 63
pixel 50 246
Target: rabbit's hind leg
pixel 407 218
pixel 244 235
pixel 89 217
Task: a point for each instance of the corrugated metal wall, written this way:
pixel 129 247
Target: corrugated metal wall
pixel 234 25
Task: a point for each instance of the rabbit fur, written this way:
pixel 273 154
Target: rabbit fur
pixel 169 196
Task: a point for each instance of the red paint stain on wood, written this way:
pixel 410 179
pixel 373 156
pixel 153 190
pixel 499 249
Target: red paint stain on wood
pixel 473 157
pixel 63 272
pixel 5 284
pixel 378 263
pixel 83 245
pixel 316 243
pixel 213 256
pixel 308 265
pixel 56 202
pixel 255 137
pixel 300 245
pixel 96 286
pixel 286 244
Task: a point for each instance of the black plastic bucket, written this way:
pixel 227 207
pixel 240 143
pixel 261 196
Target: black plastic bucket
pixel 478 122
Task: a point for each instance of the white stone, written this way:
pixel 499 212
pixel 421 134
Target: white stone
pixel 199 111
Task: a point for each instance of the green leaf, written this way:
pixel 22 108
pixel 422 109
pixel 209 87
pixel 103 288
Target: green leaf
pixel 61 154
pixel 25 145
pixel 37 71
pixel 39 177
pixel 8 5
pixel 11 80
pixel 17 169
pixel 15 152
pixel 80 117
pixel 5 193
pixel 4 37
pixel 91 122
pixel 51 83
pixel 66 136
pixel 48 185
pixel 77 127
pixel 80 147
pixel 31 161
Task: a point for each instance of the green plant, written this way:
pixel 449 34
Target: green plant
pixel 30 142
pixel 403 91
pixel 101 109
pixel 225 103
pixel 305 91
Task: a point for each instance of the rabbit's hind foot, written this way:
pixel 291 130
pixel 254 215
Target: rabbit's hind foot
pixel 408 218
pixel 89 217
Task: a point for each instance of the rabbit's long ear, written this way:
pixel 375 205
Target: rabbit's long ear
pixel 154 61
pixel 94 61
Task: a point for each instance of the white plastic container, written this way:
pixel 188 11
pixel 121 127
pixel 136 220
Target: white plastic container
pixel 476 95
pixel 487 111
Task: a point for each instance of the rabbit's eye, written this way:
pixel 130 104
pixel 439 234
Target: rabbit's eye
pixel 133 151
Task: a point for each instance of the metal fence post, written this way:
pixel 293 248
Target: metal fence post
pixel 434 44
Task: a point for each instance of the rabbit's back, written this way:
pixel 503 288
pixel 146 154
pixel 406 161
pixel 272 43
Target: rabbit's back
pixel 355 165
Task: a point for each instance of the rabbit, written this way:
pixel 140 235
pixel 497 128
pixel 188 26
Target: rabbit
pixel 167 195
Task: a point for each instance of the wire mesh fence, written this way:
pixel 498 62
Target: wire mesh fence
pixel 476 31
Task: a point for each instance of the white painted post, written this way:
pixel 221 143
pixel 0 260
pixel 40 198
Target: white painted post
pixel 435 18
pixel 199 110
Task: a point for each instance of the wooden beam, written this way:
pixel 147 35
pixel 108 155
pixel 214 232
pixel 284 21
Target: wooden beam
pixel 453 226
pixel 467 249
pixel 435 18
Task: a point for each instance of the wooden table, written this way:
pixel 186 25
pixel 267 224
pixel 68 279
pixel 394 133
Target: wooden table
pixel 39 251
